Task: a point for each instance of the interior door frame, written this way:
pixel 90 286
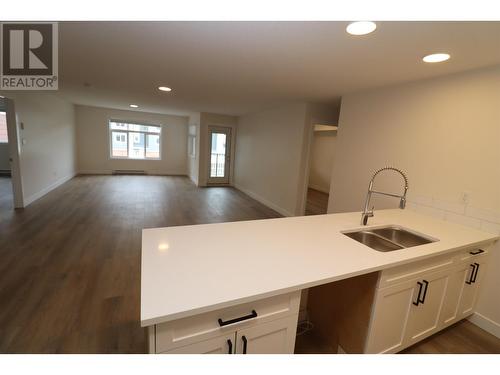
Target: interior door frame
pixel 226 180
pixel 14 152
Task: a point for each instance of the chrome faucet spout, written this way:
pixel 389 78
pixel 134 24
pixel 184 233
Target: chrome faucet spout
pixel 402 203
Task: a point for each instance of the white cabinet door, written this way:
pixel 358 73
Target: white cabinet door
pixel 218 345
pixel 456 282
pixel 475 269
pixel 426 306
pixel 389 318
pixel 276 337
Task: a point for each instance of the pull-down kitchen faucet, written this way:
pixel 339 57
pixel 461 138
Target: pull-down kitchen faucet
pixel 402 203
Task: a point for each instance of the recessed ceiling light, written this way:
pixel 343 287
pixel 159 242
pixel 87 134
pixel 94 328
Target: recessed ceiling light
pixel 436 57
pixel 164 88
pixel 361 27
pixel 134 106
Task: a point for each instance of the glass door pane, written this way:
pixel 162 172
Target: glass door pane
pixel 218 155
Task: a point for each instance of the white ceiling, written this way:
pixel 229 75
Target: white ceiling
pixel 241 67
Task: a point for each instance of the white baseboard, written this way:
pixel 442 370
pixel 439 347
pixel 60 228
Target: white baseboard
pixel 264 201
pixel 110 172
pixel 95 172
pixel 41 193
pixel 193 179
pixel 319 188
pixel 485 323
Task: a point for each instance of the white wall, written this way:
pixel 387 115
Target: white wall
pixel 193 162
pixel 93 142
pixel 269 152
pixel 47 158
pixel 446 134
pixel 321 160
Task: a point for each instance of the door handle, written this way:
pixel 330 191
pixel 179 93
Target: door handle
pixel 419 292
pixel 421 300
pixel 470 281
pixel 479 251
pixel 245 342
pixel 230 345
pixel 425 291
pixel 236 320
pixel 475 274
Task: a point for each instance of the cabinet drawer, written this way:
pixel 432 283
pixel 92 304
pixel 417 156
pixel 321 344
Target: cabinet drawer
pixel 415 270
pixel 469 254
pixel 186 331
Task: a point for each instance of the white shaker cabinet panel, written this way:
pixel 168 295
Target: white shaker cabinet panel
pixel 218 345
pixel 390 315
pixel 426 306
pixel 276 337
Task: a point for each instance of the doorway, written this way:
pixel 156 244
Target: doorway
pixel 320 169
pixel 11 194
pixel 220 154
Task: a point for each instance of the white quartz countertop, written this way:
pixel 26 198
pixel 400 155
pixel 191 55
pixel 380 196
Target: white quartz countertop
pixel 188 270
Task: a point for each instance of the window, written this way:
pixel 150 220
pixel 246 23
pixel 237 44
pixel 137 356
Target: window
pixel 134 141
pixel 3 128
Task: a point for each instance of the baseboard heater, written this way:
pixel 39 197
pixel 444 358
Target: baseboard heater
pixel 128 171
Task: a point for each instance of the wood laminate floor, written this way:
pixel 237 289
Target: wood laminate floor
pixel 317 202
pixel 70 262
pixel 460 338
pixel 6 199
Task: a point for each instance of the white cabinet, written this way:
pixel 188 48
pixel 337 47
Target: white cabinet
pixel 219 345
pixel 474 271
pixel 456 282
pixel 269 326
pixel 276 337
pixel 425 309
pixel 411 303
pixel 389 318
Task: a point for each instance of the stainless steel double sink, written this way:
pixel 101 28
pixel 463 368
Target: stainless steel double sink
pixel 389 238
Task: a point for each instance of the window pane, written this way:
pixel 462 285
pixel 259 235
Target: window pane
pixel 135 127
pixel 136 146
pixel 119 145
pixel 144 141
pixel 144 128
pixel 3 128
pixel 153 146
pixel 153 129
pixel 118 125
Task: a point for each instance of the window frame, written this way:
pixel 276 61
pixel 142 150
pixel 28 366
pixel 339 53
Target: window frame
pixel 145 133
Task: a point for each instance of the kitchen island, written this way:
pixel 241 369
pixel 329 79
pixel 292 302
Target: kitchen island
pixel 235 287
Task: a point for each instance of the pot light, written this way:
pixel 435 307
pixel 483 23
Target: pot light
pixel 134 106
pixel 436 57
pixel 164 88
pixel 361 27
